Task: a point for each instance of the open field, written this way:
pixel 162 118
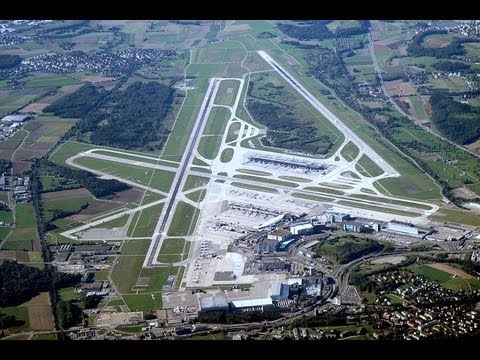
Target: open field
pixel 197 196
pixel 324 189
pixel 378 208
pixel 392 201
pixel 254 187
pixel 209 146
pixel 264 180
pixel 227 92
pixel 350 151
pixel 217 121
pixel 312 197
pixel 66 200
pixel 158 179
pixel 367 167
pixel 456 216
pixel 194 181
pixel 135 247
pixel 184 220
pixel 125 272
pixel 226 155
pixel 144 224
pixel 448 279
pixel 233 132
pixel 451 270
pixel 24 236
pixel 53 183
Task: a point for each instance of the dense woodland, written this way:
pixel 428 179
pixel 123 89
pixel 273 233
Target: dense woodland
pixel 456 121
pixel 100 188
pixel 136 116
pixel 318 30
pixel 5 165
pixel 286 131
pixel 416 48
pixel 347 249
pixel 19 283
pixel 9 61
pixel 454 66
pixel 78 104
pixel 129 119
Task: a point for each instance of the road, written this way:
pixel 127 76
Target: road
pixel 159 234
pixel 349 133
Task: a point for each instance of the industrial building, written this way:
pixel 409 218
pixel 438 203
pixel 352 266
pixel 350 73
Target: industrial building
pixel 448 233
pixel 213 303
pixel 402 227
pixel 16 118
pixel 279 235
pixel 263 304
pixel 278 291
pixel 353 226
pixel 337 217
pixel 267 246
pixel 302 228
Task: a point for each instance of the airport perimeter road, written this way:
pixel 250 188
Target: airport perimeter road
pixel 159 233
pixel 367 150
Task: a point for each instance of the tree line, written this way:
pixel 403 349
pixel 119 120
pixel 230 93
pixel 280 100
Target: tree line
pixel 100 188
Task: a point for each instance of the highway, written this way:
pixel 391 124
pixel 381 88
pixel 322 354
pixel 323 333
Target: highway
pixel 150 259
pixel 367 150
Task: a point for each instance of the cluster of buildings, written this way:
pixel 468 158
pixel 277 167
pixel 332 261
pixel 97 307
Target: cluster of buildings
pixel 428 309
pixel 83 258
pixel 108 63
pixel 10 124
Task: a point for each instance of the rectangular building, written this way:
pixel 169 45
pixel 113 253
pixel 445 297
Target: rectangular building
pixel 302 228
pixel 402 227
pixel 279 235
pixel 353 226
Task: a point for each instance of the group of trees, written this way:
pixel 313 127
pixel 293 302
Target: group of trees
pixel 236 317
pixel 347 249
pixel 9 61
pixel 19 283
pixel 286 131
pixel 5 165
pixel 456 121
pixel 100 188
pixel 129 119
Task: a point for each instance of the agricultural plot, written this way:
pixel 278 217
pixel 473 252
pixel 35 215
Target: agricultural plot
pixel 446 279
pixel 67 201
pixel 24 236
